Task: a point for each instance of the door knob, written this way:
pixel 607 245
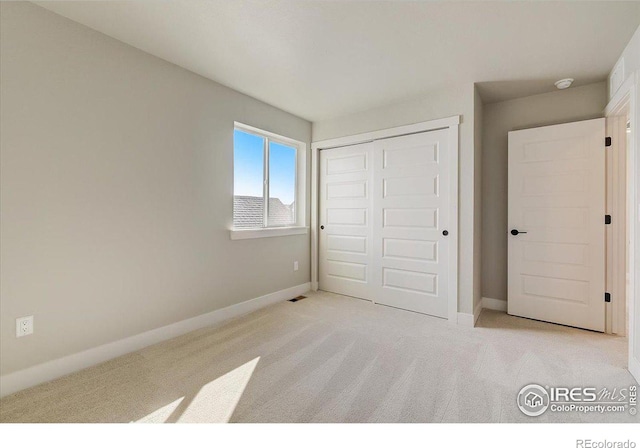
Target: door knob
pixel 516 232
pixel 445 232
pixel 321 227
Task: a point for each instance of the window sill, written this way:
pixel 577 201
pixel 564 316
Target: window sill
pixel 267 233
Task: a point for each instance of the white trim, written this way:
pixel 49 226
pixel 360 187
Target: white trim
pixel 300 199
pixel 365 137
pixel 56 368
pixel 466 320
pixel 453 124
pixel 315 178
pixel 615 311
pixel 634 367
pixel 315 203
pixel 494 304
pixel 633 196
pixel 616 74
pixel 629 93
pixel 620 99
pixel 476 312
pixel 454 267
pixel 270 135
pixel 267 232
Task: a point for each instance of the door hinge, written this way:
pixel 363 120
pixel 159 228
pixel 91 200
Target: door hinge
pixel 607 297
pixel 607 141
pixel 607 219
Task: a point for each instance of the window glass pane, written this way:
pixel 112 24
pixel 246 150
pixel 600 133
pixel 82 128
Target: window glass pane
pixel 282 185
pixel 248 180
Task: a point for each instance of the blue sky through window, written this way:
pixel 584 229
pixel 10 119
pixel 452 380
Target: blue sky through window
pixel 282 172
pixel 248 164
pixel 249 168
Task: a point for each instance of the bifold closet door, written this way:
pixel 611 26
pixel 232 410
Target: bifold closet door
pixel 345 235
pixel 410 222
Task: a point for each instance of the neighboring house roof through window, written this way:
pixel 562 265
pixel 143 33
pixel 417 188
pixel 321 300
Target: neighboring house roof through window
pixel 248 212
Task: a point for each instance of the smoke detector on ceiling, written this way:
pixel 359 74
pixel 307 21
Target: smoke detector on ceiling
pixel 564 83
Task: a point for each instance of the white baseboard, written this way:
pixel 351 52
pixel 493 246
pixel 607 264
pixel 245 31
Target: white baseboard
pixel 466 320
pixel 634 367
pixel 50 370
pixel 494 304
pixel 476 312
pixel 469 320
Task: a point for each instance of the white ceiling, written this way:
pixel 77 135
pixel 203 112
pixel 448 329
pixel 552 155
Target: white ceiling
pixel 324 59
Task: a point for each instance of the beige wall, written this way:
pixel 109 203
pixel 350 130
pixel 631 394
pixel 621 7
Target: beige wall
pixel 458 100
pixel 574 104
pixel 116 191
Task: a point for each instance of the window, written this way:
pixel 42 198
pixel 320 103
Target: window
pixel 282 185
pixel 268 172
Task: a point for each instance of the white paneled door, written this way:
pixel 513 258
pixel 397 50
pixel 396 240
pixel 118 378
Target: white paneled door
pixel 411 198
pixel 345 244
pixel 384 221
pixel 557 224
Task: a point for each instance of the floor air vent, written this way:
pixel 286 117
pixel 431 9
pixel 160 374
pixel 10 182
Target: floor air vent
pixel 295 299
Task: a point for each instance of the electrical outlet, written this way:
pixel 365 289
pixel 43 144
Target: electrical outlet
pixel 24 326
pixel 295 265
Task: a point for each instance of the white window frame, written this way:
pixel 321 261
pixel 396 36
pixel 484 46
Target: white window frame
pixel 297 228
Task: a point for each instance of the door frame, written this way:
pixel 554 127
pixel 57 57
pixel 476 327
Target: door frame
pixel 628 96
pixel 616 184
pixel 450 123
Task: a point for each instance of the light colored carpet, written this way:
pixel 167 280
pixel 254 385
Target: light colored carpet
pixel 330 358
